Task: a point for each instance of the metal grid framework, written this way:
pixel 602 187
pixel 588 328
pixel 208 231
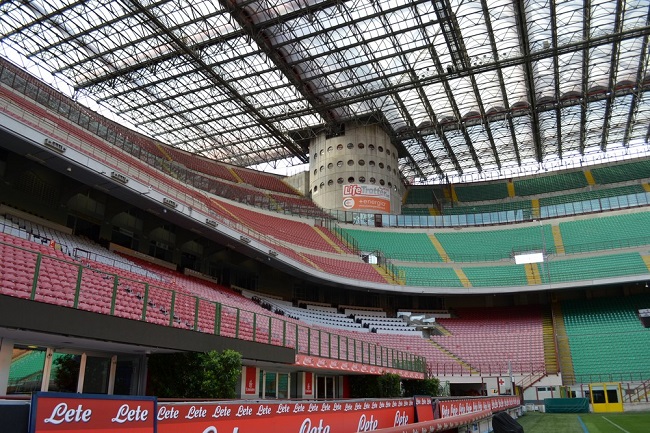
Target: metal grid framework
pixel 461 86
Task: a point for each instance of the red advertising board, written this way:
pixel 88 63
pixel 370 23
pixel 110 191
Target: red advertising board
pixel 322 417
pixel 335 364
pixel 423 408
pixel 452 408
pixel 309 383
pixel 67 413
pixel 250 380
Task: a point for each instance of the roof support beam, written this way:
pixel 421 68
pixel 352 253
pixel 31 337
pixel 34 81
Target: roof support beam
pixel 638 86
pixel 217 80
pixel 613 65
pixel 556 79
pixel 522 29
pixel 586 26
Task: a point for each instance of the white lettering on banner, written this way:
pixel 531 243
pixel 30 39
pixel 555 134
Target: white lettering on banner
pixel 306 427
pixel 244 411
pixel 325 407
pixel 283 408
pixel 213 429
pixel 298 407
pixel 221 411
pixel 366 190
pixel 357 406
pixel 367 425
pixel 196 412
pixel 348 407
pixel 313 407
pixel 444 411
pixel 401 419
pixel 167 413
pixel 366 405
pixel 264 410
pixel 337 406
pixel 61 414
pixel 126 414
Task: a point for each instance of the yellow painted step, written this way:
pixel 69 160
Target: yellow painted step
pixel 511 189
pixel 646 187
pixel 589 177
pixel 433 211
pixel 557 238
pixel 463 278
pixel 235 175
pixel 454 197
pixel 328 240
pixel 534 203
pixel 311 263
pixel 532 274
pixel 389 277
pixel 646 260
pixel 438 246
pixel 162 150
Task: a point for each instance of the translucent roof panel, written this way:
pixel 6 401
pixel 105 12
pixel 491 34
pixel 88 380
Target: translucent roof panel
pixel 462 87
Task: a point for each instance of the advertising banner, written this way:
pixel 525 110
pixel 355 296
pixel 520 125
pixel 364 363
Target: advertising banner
pixel 423 408
pixel 250 380
pixel 324 417
pixel 366 198
pixel 88 413
pixel 461 407
pixel 335 364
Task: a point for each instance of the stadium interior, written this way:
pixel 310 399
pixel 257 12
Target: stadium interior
pixel 115 246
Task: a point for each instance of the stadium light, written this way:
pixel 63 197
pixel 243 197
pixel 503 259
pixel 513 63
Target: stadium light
pixel 531 257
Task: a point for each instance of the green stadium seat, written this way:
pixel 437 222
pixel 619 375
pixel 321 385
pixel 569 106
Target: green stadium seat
pixel 606 338
pixel 482 192
pixel 397 245
pixel 495 244
pixel 496 276
pixel 551 183
pixel 615 231
pixel 622 172
pixel 436 277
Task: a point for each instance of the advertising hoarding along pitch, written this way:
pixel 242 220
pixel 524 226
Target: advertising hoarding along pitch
pixel 88 413
pixel 303 417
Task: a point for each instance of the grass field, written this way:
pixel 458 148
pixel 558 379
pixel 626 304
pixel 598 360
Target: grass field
pixel 534 422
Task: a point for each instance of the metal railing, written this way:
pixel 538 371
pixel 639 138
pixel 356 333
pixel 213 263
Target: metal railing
pixel 86 285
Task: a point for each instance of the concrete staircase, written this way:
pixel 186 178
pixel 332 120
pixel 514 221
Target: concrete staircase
pixel 563 350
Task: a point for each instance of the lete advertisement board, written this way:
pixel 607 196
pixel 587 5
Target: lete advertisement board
pixel 366 198
pixel 451 408
pixel 88 413
pixel 324 417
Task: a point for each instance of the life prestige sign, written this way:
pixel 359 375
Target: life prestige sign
pixel 88 413
pixel 326 417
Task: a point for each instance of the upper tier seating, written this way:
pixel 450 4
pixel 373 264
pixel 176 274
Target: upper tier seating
pixel 481 192
pixel 613 231
pixel 496 276
pixel 623 172
pixel 591 195
pixel 424 195
pixel 550 183
pixel 510 205
pixel 590 268
pixel 283 229
pixel 356 270
pixel 495 244
pixel 398 246
pixel 428 276
pixel 199 163
pixel 606 338
pixel 265 181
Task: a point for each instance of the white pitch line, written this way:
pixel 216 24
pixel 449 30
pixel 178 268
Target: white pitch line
pixel 615 425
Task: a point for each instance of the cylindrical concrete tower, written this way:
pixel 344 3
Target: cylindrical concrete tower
pixel 356 171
